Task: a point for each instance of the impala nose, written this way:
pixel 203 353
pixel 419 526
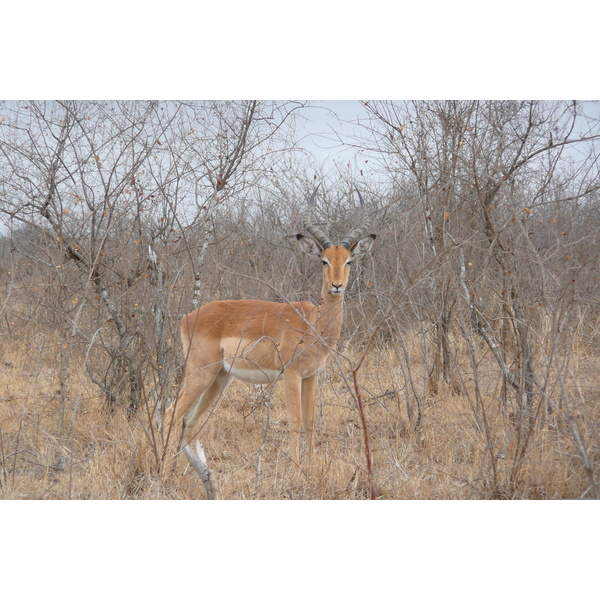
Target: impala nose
pixel 336 288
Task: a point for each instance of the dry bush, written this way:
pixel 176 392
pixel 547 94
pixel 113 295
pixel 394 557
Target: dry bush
pixel 459 450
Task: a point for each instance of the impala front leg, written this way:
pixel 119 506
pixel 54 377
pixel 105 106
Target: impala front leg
pixel 308 410
pixel 293 386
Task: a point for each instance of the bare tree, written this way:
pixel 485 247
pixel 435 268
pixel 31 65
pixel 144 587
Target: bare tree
pixel 477 166
pixel 118 187
pixel 492 179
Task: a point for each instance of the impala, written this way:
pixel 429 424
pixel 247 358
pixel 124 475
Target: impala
pixel 262 342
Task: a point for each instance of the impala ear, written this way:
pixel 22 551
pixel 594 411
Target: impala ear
pixel 363 245
pixel 309 245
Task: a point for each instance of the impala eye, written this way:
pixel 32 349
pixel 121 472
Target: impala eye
pixel 325 263
pixel 348 263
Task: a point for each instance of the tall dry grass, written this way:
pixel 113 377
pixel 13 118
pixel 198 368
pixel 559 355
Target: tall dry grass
pixel 62 442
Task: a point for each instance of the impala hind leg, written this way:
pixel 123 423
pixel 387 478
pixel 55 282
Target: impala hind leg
pixel 195 385
pixel 190 422
pixel 200 391
pixel 202 404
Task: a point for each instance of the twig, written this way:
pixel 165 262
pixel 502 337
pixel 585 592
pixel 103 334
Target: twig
pixel 3 461
pixel 364 427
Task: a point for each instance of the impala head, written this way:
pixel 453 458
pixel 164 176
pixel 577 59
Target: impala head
pixel 336 259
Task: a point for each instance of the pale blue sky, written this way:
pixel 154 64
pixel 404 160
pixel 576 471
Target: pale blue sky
pixel 328 123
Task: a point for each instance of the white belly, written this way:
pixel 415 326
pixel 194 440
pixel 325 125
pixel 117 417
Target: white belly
pixel 258 376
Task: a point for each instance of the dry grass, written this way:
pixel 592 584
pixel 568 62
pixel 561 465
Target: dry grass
pixel 460 451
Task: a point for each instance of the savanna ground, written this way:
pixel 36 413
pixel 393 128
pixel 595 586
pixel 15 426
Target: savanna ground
pixel 67 445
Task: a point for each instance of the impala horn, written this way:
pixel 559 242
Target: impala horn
pixel 359 232
pixel 318 234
